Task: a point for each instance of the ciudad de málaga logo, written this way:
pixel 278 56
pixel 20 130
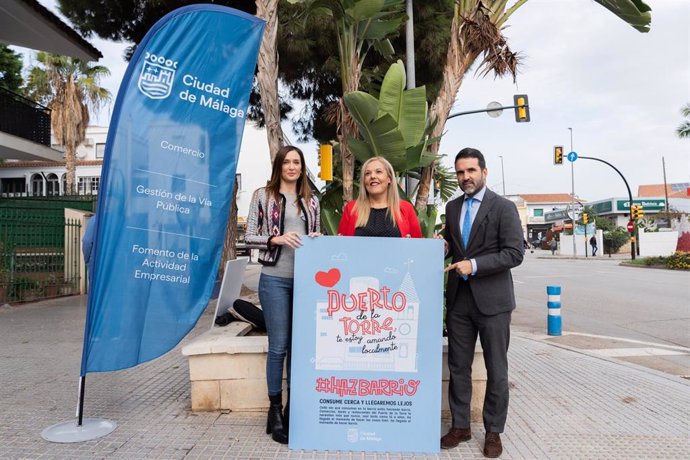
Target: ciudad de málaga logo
pixel 158 75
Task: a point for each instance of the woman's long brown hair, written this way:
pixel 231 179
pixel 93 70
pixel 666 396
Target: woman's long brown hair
pixel 273 187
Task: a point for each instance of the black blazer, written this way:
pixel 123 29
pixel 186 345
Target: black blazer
pixel 496 244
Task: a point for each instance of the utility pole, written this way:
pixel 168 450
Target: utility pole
pixel 409 46
pixel 503 176
pixel 572 196
pixel 411 83
pixel 663 165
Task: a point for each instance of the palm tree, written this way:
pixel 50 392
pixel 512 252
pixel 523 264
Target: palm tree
pixel 476 29
pixel 267 76
pixel 683 129
pixel 69 87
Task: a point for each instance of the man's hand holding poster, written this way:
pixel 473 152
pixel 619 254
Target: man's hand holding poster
pixel 367 344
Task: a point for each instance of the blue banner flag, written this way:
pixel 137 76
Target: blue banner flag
pixel 367 345
pixel 166 188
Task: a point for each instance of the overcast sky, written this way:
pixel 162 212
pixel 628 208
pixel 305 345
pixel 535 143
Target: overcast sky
pixel 619 90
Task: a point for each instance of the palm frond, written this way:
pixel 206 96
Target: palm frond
pixel 683 130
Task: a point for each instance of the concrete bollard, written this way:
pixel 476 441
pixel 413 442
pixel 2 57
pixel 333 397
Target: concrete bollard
pixel 554 305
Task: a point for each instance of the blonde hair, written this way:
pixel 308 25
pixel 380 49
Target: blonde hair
pixel 362 206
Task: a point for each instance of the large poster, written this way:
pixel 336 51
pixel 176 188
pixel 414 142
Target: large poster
pixel 367 344
pixel 166 188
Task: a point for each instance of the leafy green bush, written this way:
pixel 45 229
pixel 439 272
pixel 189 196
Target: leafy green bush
pixel 615 239
pixel 652 261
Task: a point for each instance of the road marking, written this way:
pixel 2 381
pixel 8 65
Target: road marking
pixel 629 352
pixel 640 342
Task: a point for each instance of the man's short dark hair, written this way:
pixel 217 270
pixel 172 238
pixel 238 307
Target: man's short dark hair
pixel 469 152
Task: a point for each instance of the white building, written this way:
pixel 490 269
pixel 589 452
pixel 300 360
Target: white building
pixel 47 178
pixel 535 208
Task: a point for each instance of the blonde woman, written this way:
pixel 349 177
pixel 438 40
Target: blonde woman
pixel 379 211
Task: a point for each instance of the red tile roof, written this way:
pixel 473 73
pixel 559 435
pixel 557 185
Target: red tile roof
pixel 548 197
pixel 657 190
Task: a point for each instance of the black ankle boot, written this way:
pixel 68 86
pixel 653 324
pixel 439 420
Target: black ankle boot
pixel 286 414
pixel 275 425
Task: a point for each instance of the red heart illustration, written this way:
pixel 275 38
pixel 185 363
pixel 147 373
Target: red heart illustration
pixel 329 278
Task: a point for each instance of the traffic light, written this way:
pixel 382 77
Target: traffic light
pixel 558 155
pixel 326 162
pixel 521 104
pixel 640 212
pixel 636 212
pixel 585 218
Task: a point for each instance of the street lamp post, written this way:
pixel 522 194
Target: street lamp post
pixel 572 196
pixel 503 176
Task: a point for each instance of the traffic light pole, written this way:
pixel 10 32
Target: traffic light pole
pixel 630 199
pixel 497 109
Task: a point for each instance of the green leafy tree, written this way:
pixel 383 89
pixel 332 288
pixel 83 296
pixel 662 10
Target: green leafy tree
pixel 128 20
pixel 69 87
pixel 10 69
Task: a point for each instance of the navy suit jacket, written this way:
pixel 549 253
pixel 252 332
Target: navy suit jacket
pixel 496 244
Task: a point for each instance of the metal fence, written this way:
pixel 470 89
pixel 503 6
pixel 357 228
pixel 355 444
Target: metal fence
pixel 39 256
pixel 53 205
pixel 24 118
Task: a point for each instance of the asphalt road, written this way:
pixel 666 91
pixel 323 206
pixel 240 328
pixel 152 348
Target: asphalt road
pixel 609 306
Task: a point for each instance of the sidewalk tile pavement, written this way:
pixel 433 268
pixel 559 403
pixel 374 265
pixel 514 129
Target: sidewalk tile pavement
pixel 564 403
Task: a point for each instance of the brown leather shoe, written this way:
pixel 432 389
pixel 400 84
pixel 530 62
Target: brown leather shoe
pixel 492 445
pixel 454 437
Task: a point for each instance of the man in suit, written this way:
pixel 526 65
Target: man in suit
pixel 484 238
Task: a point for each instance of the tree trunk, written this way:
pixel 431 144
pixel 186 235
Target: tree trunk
pixel 70 169
pixel 230 243
pixel 348 159
pixel 457 63
pixel 348 129
pixel 268 75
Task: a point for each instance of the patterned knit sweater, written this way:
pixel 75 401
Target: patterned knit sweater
pixel 266 219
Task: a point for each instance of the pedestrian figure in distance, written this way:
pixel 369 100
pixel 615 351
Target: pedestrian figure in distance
pixel 553 245
pixel 593 243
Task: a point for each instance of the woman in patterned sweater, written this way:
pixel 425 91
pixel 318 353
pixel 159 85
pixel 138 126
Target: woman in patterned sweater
pixel 279 215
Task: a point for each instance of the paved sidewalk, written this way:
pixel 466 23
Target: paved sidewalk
pixel 564 403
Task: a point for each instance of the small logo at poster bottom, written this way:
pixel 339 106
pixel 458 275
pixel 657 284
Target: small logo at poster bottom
pixel 352 435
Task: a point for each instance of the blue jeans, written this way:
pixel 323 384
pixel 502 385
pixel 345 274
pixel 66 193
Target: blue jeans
pixel 275 295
